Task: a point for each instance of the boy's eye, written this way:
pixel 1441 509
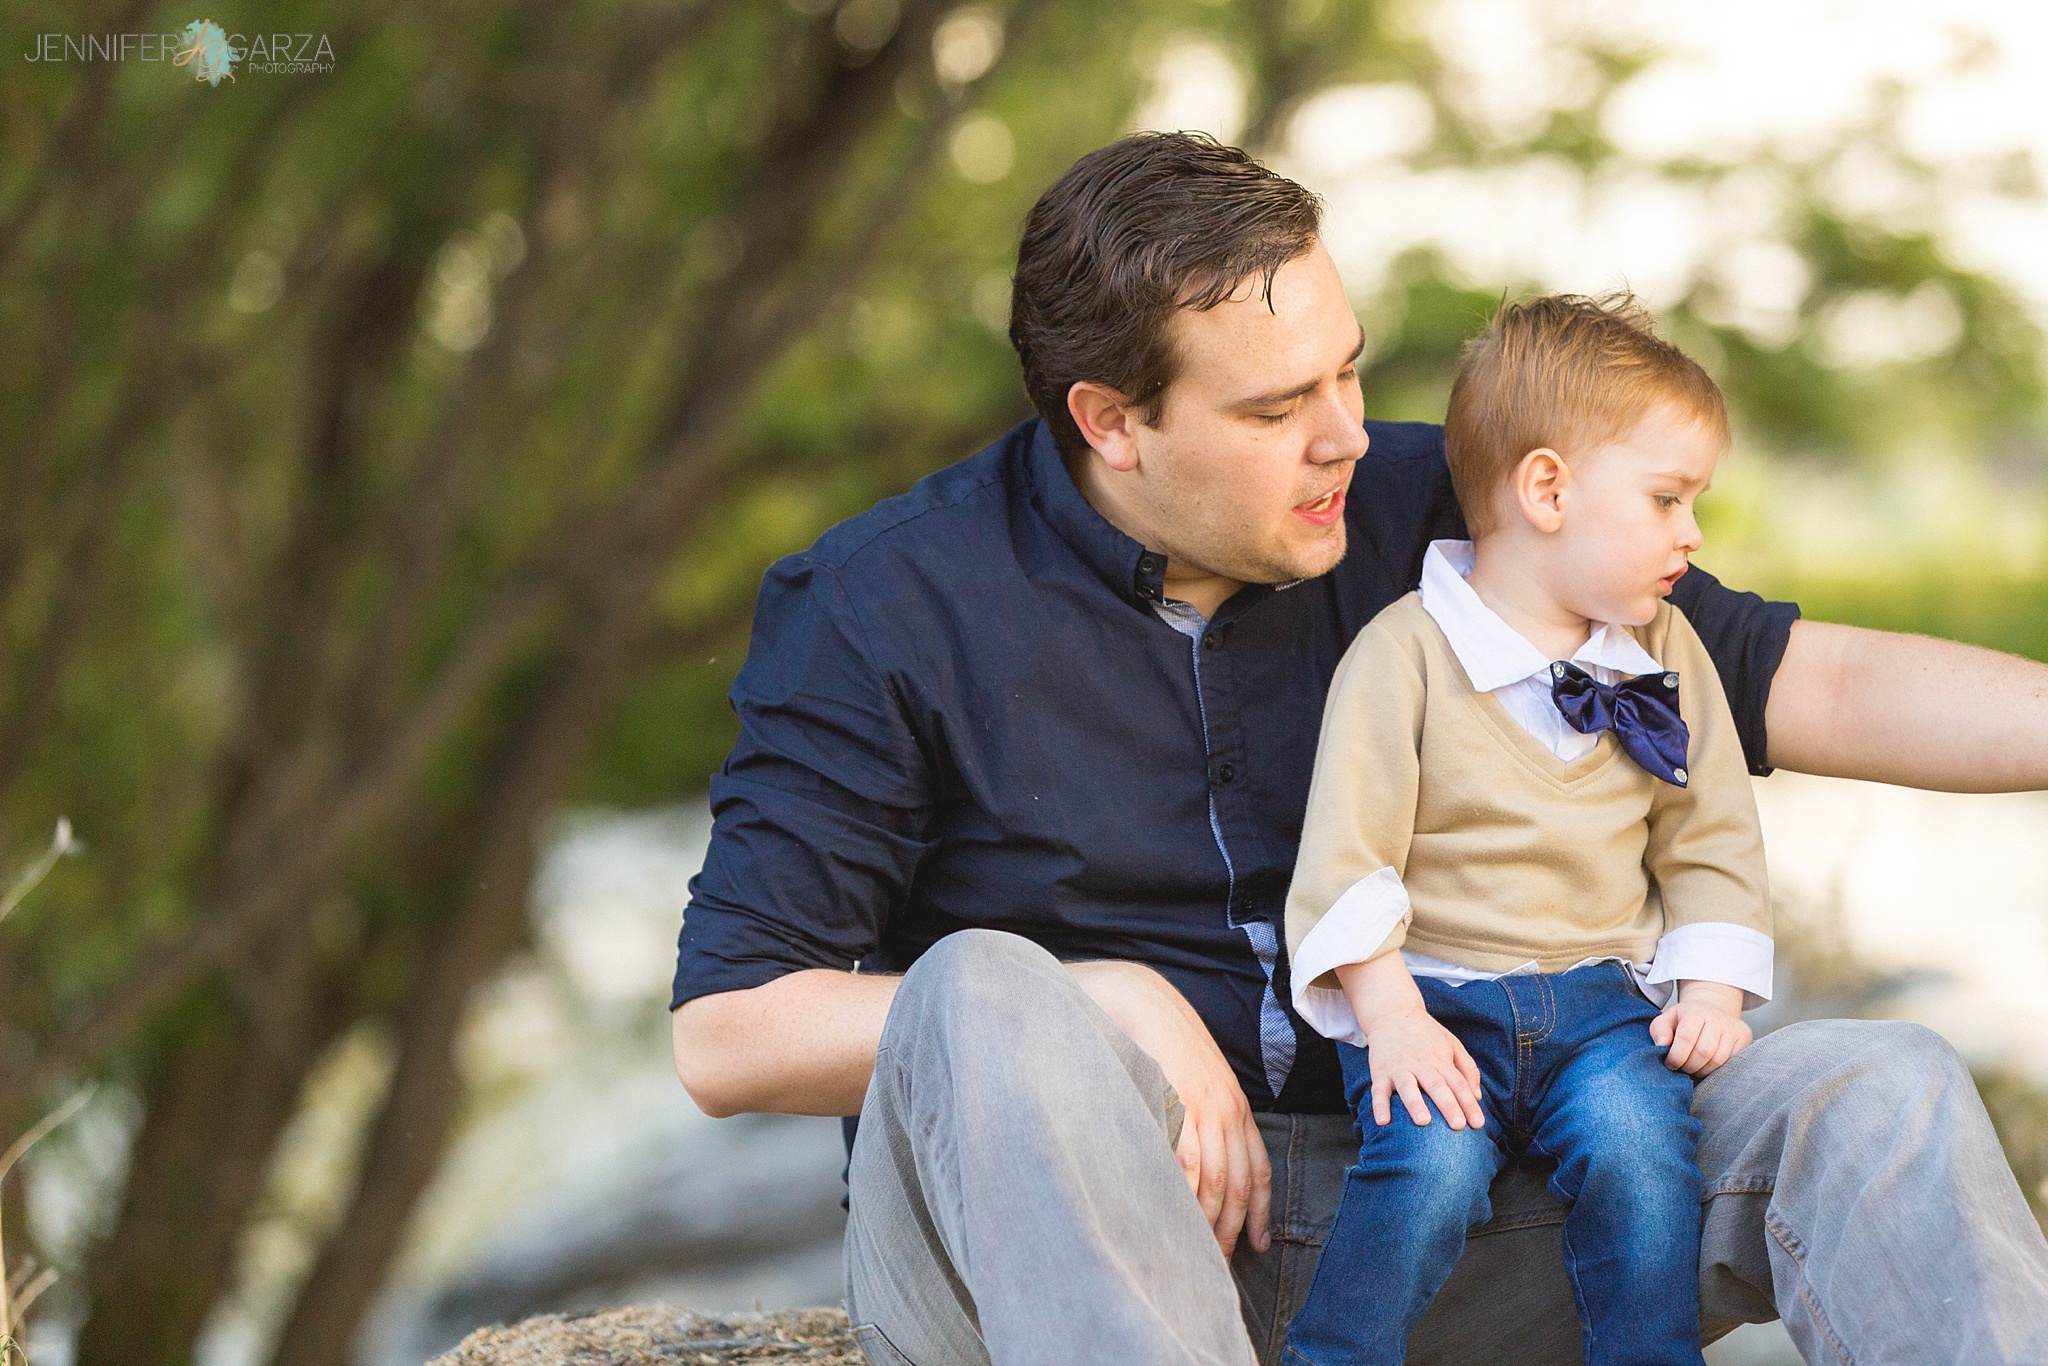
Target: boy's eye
pixel 1667 500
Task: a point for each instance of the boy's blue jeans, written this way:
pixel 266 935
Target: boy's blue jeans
pixel 1568 1075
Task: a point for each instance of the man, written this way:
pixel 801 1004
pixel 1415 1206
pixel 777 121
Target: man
pixel 1030 745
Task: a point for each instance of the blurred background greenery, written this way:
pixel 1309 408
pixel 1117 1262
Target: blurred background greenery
pixel 391 448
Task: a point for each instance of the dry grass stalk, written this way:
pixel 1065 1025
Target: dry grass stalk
pixel 61 843
pixel 657 1335
pixel 21 1288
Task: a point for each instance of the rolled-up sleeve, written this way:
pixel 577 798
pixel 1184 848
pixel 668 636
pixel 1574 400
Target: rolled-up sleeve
pixel 1746 636
pixel 821 812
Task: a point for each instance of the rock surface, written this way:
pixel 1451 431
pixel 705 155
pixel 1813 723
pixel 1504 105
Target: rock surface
pixel 656 1335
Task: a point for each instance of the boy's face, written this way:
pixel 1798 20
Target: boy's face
pixel 1628 523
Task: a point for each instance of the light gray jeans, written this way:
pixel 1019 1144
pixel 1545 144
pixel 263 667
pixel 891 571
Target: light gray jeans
pixel 1015 1199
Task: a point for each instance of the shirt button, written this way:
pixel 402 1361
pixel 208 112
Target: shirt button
pixel 1210 640
pixel 1557 671
pixel 1679 774
pixel 1148 564
pixel 1670 680
pixel 1225 772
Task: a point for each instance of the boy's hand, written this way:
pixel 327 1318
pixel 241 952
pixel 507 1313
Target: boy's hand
pixel 1410 1053
pixel 1701 1028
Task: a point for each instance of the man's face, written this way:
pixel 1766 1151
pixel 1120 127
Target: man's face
pixel 1244 476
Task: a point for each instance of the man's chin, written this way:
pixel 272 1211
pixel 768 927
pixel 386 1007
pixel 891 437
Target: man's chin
pixel 1304 562
pixel 1324 555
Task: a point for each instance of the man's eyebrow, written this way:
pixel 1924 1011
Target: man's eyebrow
pixel 1289 395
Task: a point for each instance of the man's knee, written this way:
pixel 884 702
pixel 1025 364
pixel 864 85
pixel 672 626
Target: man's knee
pixel 978 967
pixel 976 994
pixel 1879 1069
pixel 1834 1087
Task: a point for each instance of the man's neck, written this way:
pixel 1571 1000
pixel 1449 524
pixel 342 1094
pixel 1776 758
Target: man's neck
pixel 1203 591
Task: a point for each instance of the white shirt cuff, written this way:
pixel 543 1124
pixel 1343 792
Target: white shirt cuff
pixel 1349 932
pixel 1712 951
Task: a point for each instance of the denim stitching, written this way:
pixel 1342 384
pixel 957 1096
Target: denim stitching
pixel 876 1329
pixel 1275 1329
pixel 1516 1105
pixel 1795 1249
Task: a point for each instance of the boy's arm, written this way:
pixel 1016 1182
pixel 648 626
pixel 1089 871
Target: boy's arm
pixel 1705 852
pixel 1911 710
pixel 1346 903
pixel 1411 1054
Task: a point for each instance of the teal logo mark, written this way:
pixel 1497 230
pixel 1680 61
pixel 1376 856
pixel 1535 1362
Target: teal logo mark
pixel 208 52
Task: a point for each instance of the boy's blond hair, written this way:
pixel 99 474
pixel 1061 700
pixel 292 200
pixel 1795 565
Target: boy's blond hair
pixel 1567 372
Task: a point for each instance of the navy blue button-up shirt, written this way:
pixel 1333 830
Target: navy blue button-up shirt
pixel 971 706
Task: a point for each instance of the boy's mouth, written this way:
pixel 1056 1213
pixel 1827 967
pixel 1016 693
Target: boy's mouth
pixel 1670 581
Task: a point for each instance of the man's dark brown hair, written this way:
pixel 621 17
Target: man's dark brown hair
pixel 1152 223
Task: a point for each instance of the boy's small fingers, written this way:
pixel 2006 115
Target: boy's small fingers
pixel 1660 1029
pixel 1439 1089
pixel 1466 1089
pixel 1708 1055
pixel 1411 1096
pixel 1475 1114
pixel 1382 1112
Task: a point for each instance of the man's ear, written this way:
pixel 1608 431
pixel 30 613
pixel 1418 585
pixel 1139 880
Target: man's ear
pixel 1106 422
pixel 1538 488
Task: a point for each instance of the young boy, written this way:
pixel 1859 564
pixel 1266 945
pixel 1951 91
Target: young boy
pixel 1530 828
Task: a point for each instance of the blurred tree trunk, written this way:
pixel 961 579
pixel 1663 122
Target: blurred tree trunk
pixel 791 190
pixel 228 1082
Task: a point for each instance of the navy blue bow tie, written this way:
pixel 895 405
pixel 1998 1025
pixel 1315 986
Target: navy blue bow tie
pixel 1641 711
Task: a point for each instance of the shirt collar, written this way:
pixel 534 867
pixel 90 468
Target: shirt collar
pixel 1129 568
pixel 1494 654
pixel 1132 570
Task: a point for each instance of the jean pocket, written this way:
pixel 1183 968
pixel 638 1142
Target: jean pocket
pixel 877 1347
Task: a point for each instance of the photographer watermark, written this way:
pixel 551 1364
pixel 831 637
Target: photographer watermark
pixel 205 49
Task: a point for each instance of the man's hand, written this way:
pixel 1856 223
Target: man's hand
pixel 1220 1150
pixel 1701 1028
pixel 1409 1052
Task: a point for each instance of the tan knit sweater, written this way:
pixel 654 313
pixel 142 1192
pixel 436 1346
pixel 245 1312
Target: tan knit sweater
pixel 1507 852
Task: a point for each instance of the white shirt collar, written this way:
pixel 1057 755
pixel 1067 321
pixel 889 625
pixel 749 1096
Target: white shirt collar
pixel 1492 652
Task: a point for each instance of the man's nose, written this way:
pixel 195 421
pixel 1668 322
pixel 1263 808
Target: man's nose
pixel 1341 436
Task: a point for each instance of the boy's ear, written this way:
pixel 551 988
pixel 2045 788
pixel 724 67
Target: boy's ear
pixel 1106 422
pixel 1538 488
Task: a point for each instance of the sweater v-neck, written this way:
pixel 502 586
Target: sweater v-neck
pixel 1512 735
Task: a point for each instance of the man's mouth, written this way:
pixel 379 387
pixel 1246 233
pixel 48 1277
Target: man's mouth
pixel 1324 510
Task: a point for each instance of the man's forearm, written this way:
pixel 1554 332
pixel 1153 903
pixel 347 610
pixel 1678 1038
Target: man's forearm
pixel 1911 710
pixel 805 1044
